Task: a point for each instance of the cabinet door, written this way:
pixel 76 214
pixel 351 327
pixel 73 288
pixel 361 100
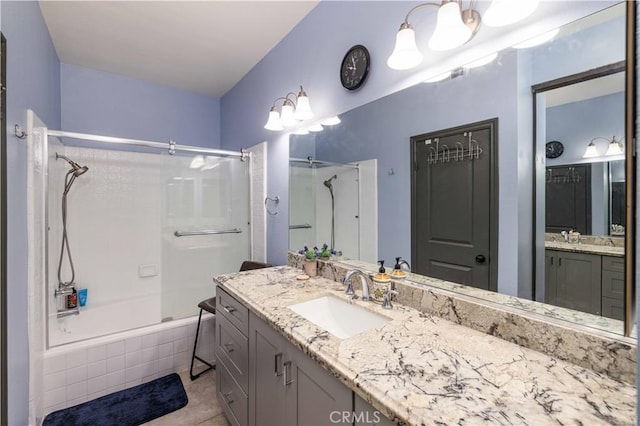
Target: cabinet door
pixel 579 282
pixel 314 396
pixel 364 414
pixel 613 308
pixel 266 383
pixel 550 260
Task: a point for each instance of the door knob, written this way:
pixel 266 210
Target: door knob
pixel 480 259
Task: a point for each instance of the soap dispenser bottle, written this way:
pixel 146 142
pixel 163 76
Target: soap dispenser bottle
pixel 381 268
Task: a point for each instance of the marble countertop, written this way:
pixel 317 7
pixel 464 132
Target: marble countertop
pixel 585 248
pixel 422 369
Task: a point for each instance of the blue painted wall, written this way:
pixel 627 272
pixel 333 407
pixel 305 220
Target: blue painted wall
pixel 311 55
pixel 33 81
pixel 109 104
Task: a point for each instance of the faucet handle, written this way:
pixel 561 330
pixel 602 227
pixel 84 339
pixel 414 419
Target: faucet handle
pixel 386 301
pixel 349 290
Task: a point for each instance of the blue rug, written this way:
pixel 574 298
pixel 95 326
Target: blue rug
pixel 129 407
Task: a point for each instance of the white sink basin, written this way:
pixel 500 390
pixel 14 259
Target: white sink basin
pixel 337 316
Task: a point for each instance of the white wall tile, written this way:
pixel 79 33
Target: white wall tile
pixel 96 369
pixel 133 383
pixel 149 368
pixel 115 388
pixel 115 364
pixel 165 350
pixel 96 395
pixel 76 375
pixel 96 353
pixel 55 364
pixel 133 373
pixel 133 359
pixel 115 349
pixel 165 336
pixel 150 354
pixel 146 379
pixel 180 345
pixel 76 358
pixel 77 390
pixel 115 379
pixel 150 340
pixel 180 332
pixel 133 345
pixel 96 384
pixel 77 401
pixel 55 380
pixel 165 363
pixel 55 396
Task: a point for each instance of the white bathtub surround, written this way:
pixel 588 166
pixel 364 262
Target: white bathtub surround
pixel 83 371
pixel 554 331
pixel 258 171
pixel 418 368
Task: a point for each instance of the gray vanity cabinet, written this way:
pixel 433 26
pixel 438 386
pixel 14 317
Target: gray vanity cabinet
pixel 574 280
pixel 366 415
pixel 232 351
pixel 266 367
pixel 314 396
pixel 613 287
pixel 286 387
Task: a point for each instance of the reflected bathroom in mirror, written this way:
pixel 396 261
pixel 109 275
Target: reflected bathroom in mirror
pixel 500 92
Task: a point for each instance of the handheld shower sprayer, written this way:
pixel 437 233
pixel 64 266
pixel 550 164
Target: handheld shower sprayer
pixel 327 182
pixel 75 171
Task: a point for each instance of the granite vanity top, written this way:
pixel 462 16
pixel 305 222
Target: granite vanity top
pixel 585 248
pixel 422 369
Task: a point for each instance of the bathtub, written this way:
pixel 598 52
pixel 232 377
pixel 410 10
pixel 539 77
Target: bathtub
pixel 92 367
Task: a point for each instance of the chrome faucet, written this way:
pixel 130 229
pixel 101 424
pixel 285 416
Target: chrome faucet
pixel 364 279
pixel 565 235
pixel 404 262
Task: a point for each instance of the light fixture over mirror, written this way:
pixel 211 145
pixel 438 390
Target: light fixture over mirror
pixel 454 27
pixel 295 108
pixel 614 147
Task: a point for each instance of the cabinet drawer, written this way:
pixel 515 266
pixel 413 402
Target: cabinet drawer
pixel 232 350
pixel 232 310
pixel 610 263
pixel 613 284
pixel 613 308
pixel 233 400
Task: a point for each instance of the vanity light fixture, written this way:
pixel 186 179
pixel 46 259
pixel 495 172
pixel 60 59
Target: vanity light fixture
pixel 454 27
pixel 301 132
pixel 537 41
pixel 295 108
pixel 316 128
pixel 614 147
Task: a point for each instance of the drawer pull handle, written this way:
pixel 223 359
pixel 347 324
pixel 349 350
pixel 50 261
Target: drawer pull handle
pixel 277 371
pixel 228 347
pixel 287 368
pixel 227 397
pixel 229 309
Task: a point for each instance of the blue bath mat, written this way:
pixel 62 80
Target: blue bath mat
pixel 133 406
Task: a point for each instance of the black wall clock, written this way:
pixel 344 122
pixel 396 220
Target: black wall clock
pixel 554 149
pixel 355 67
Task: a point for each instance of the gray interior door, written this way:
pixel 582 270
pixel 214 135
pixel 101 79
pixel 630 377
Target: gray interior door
pixel 453 205
pixel 568 198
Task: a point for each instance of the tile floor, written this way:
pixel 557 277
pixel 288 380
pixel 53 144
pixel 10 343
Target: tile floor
pixel 202 408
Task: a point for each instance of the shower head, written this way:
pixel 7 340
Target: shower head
pixel 77 169
pixel 327 182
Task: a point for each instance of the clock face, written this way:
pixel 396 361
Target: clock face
pixel 355 67
pixel 554 149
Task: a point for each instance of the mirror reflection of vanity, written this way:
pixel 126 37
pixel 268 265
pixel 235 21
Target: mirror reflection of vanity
pixel 382 130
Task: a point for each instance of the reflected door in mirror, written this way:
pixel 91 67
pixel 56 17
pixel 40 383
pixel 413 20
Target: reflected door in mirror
pixel 568 198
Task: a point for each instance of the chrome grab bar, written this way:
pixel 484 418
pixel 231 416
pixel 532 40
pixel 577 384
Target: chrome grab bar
pixel 206 232
pixel 303 226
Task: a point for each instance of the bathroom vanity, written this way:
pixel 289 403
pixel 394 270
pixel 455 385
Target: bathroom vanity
pixel 275 366
pixel 585 277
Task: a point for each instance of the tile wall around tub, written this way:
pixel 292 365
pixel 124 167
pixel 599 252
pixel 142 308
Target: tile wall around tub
pixel 91 371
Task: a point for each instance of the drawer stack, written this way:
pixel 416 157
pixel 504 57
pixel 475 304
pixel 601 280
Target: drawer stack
pixel 232 357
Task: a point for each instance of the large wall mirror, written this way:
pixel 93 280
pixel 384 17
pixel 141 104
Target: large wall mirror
pixel 536 196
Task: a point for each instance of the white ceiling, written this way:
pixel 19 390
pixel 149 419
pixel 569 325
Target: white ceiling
pixel 199 46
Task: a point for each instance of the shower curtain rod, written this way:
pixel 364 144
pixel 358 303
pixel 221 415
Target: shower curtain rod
pixel 310 161
pixel 170 146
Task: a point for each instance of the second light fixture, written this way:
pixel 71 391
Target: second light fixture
pixel 295 108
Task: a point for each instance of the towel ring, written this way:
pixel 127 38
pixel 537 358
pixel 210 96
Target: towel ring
pixel 275 200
